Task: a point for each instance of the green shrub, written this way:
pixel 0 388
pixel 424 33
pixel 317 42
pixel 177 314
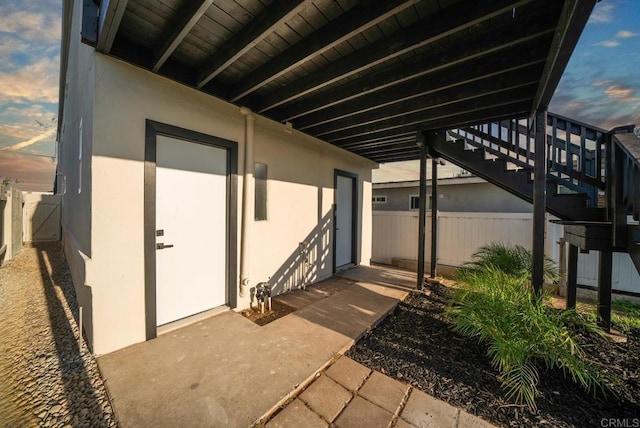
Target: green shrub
pixel 522 333
pixel 513 260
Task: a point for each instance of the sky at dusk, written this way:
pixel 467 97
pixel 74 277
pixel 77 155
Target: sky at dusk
pixel 601 85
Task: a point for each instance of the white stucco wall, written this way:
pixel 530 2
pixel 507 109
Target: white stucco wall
pixel 76 206
pixel 300 192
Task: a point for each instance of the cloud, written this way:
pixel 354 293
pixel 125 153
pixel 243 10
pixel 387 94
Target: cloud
pixel 608 44
pixel 32 26
pixel 47 134
pixel 36 82
pixel 602 13
pixel 624 34
pixel 620 93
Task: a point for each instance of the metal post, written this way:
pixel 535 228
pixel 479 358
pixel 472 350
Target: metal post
pixel 604 288
pixel 539 200
pixel 572 276
pixel 423 211
pixel 434 215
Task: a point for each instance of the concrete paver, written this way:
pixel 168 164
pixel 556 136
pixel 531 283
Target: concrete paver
pixel 425 411
pixel 326 397
pixel 467 420
pixel 401 423
pixel 384 391
pixel 361 412
pixel 348 373
pixel 296 414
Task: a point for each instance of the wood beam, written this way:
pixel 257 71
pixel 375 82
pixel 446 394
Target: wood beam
pixel 109 18
pixel 467 118
pixel 460 55
pixel 395 158
pixel 456 18
pixel 455 107
pixel 255 32
pixel 473 76
pixel 183 24
pixel 573 18
pixel 434 211
pixel 539 201
pixel 432 100
pixel 399 136
pixel 422 215
pixel 572 276
pixel 388 149
pixel 337 31
pixel 605 263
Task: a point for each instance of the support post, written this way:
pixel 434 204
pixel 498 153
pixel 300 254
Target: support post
pixel 422 214
pixel 434 216
pixel 572 276
pixel 604 288
pixel 539 200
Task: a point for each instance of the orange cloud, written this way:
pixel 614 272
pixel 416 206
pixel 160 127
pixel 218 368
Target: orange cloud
pixel 620 94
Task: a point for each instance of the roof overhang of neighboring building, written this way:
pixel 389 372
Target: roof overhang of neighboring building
pixel 362 75
pixel 441 182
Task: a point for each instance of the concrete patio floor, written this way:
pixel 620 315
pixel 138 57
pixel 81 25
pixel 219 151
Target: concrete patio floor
pixel 228 371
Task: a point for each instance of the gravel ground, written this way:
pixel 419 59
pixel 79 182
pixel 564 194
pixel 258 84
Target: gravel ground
pixel 416 345
pixel 46 379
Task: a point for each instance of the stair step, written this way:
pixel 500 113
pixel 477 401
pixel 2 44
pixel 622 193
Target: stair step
pixel 572 206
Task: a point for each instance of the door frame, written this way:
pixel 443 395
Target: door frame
pixel 354 214
pixel 153 129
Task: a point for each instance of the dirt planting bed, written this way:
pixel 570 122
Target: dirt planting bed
pixel 416 345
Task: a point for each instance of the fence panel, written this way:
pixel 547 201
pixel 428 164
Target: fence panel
pixel 395 234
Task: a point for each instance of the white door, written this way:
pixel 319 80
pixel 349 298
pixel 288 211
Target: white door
pixel 344 221
pixel 191 217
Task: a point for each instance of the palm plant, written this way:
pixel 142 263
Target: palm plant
pixel 498 308
pixel 514 260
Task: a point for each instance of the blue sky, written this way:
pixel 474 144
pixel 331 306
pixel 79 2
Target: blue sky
pixel 601 85
pixel 29 48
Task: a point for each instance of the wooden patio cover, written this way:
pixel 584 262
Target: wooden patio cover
pixel 362 75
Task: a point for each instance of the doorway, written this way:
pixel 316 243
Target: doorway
pixel 345 219
pixel 190 224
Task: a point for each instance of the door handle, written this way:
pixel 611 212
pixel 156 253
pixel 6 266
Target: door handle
pixel 162 246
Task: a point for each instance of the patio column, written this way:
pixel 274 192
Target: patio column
pixel 572 276
pixel 539 199
pixel 604 287
pixel 422 214
pixel 434 215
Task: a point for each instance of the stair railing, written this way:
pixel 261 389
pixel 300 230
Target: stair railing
pixel 575 150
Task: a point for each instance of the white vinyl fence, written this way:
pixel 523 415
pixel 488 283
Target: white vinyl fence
pixel 395 235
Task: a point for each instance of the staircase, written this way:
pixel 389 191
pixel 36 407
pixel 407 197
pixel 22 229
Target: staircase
pixel 592 175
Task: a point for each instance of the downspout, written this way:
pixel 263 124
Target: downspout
pixel 247 199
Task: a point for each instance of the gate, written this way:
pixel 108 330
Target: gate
pixel 41 217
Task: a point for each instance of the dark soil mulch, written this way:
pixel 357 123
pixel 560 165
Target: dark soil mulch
pixel 416 345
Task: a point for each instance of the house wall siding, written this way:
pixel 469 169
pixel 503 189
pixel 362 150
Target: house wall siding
pixel 300 194
pixel 470 197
